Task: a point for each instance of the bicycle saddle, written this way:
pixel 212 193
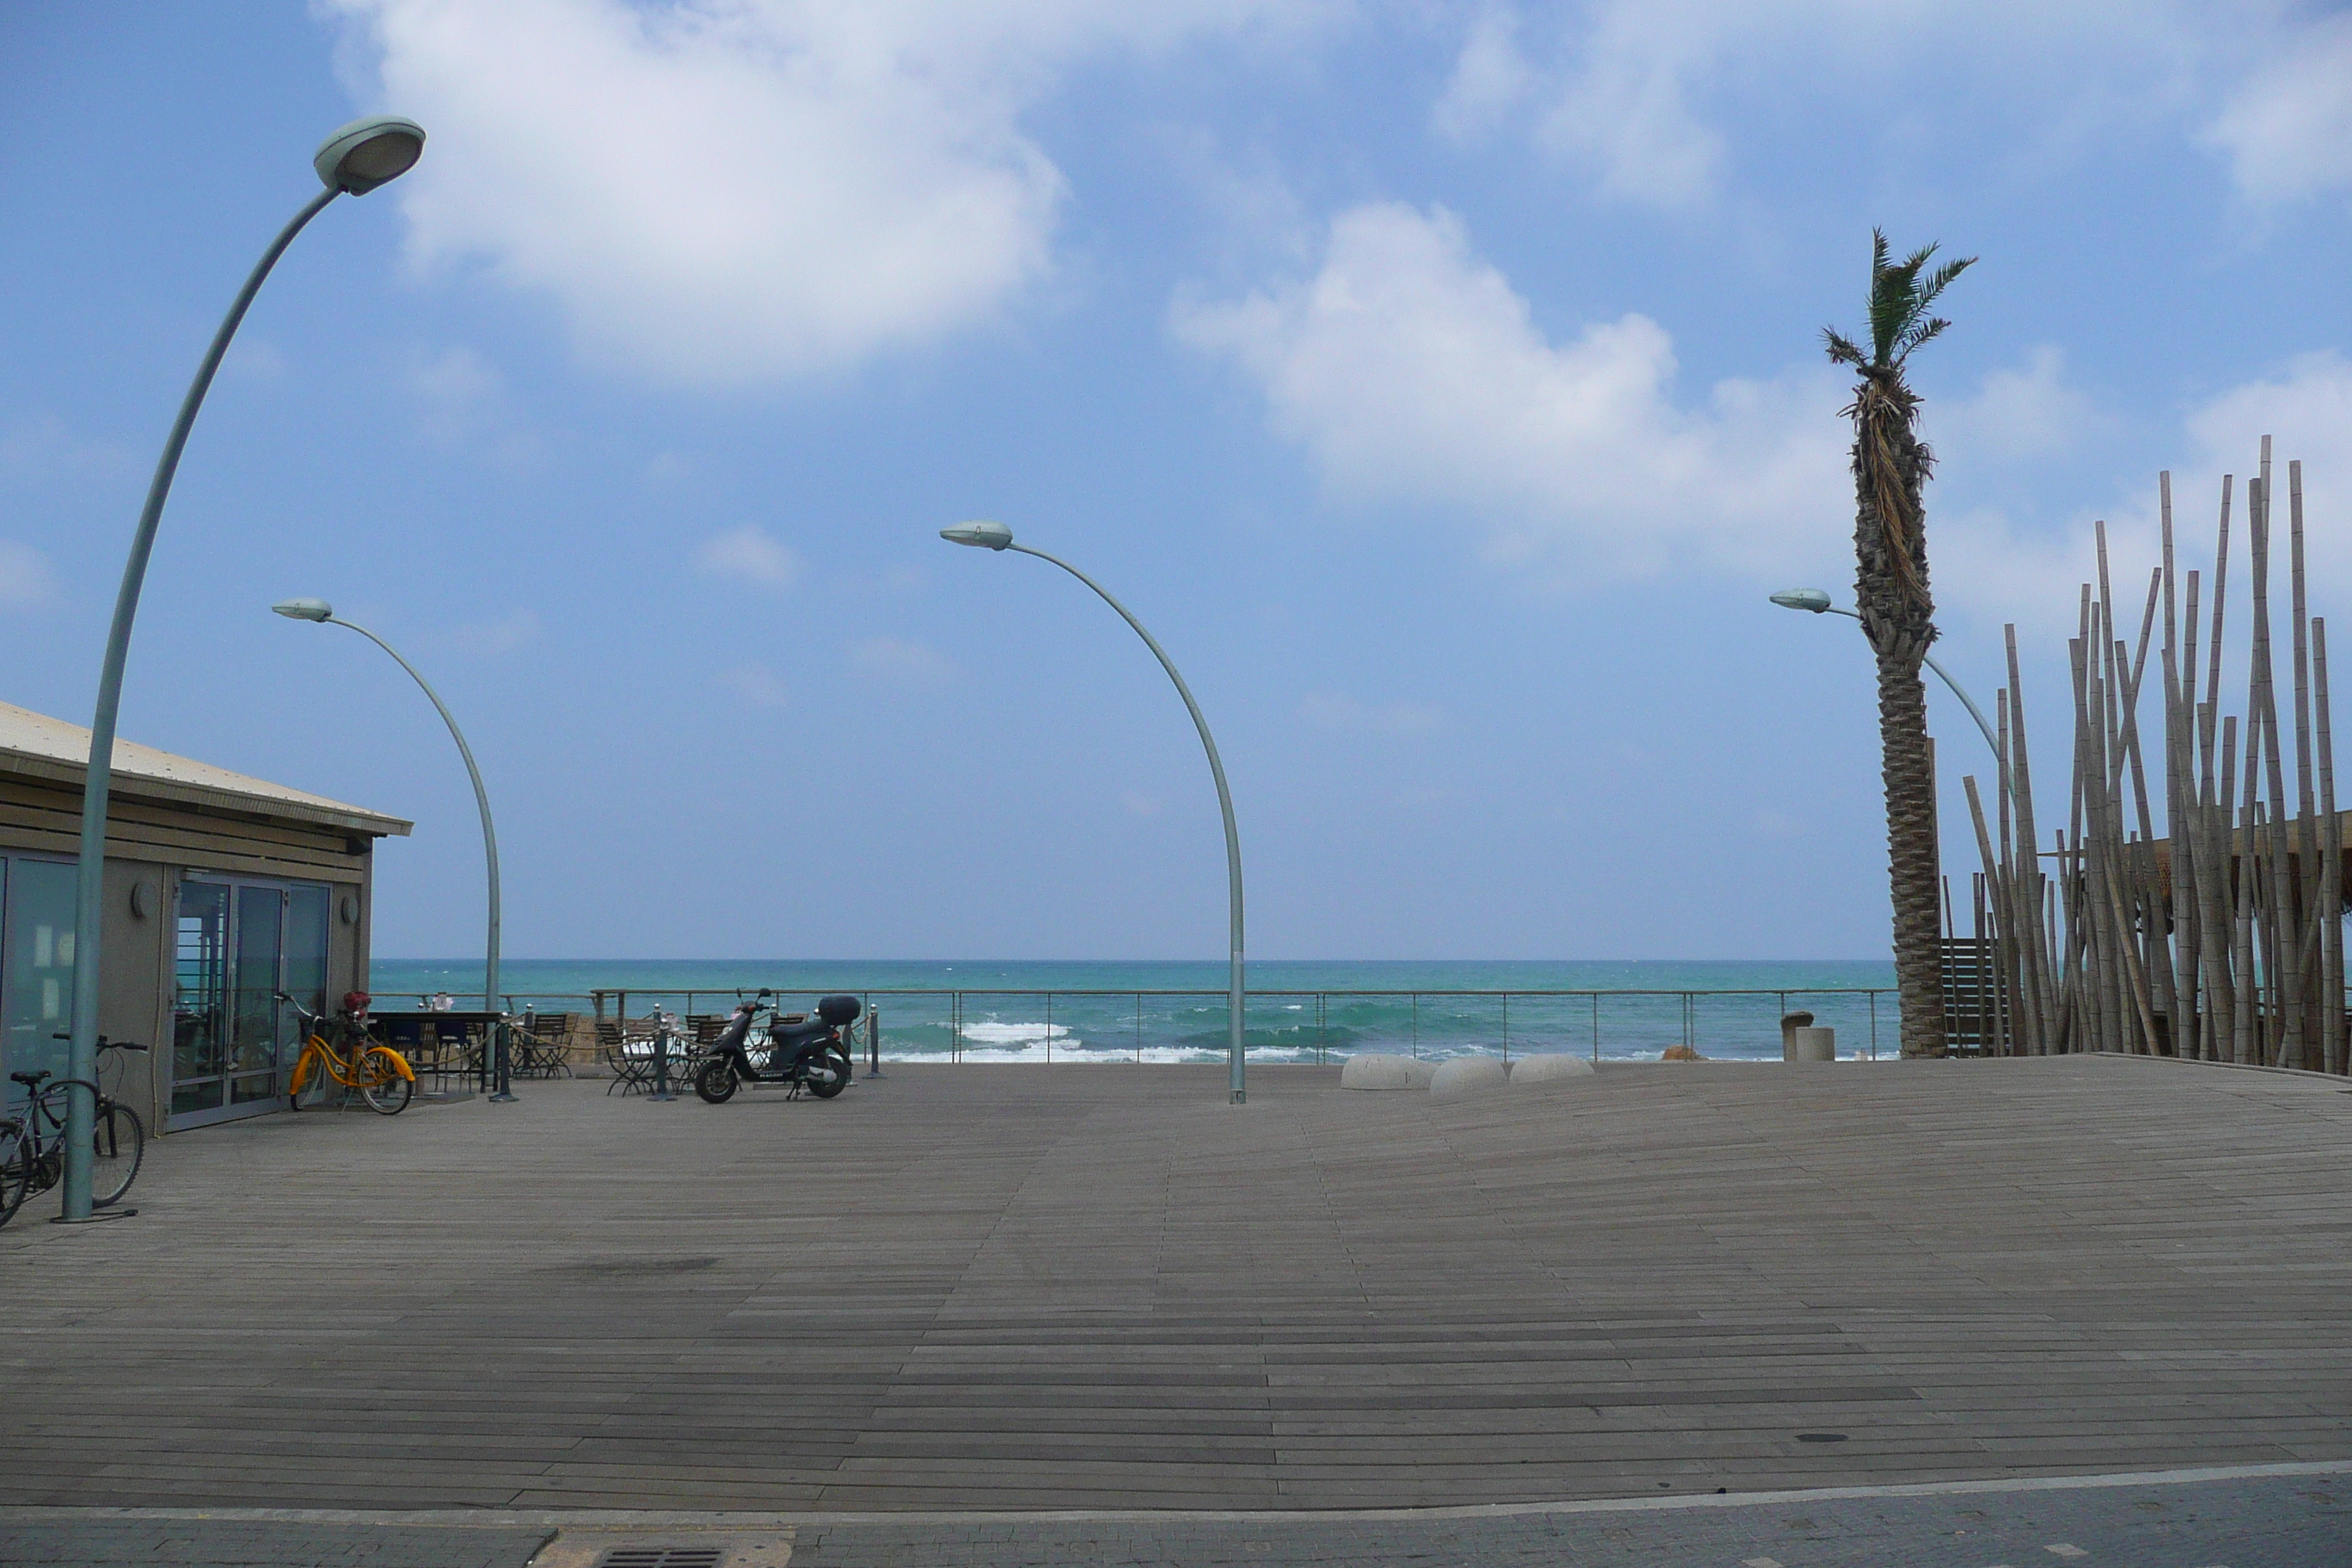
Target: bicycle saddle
pixel 29 1079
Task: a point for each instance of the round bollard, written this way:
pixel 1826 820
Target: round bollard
pixel 1466 1076
pixel 1377 1072
pixel 1528 1072
pixel 1811 1045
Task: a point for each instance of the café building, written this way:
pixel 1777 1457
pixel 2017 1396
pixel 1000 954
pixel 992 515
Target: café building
pixel 221 889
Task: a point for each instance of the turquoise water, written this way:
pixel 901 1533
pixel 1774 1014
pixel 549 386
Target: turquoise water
pixel 1023 1010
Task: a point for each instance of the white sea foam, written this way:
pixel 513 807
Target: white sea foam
pixel 990 1032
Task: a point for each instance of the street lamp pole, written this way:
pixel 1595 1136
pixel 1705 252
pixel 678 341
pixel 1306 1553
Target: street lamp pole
pixel 1818 602
pixel 355 159
pixel 319 611
pixel 996 536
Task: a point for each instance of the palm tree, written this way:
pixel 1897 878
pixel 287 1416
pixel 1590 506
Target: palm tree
pixel 1891 466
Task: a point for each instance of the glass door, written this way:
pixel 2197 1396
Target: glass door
pixel 200 1000
pixel 239 943
pixel 256 1020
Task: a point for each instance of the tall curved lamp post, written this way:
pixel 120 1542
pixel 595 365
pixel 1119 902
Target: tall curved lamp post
pixel 1818 603
pixel 354 160
pixel 319 611
pixel 996 536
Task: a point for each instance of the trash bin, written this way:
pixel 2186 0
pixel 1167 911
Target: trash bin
pixel 1790 1024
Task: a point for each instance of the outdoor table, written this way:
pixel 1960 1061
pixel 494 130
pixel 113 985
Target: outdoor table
pixel 471 1059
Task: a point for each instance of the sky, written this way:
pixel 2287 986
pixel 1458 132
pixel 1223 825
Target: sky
pixel 1441 384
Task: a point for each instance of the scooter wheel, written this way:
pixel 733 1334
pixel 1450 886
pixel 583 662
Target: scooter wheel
pixel 715 1082
pixel 830 1075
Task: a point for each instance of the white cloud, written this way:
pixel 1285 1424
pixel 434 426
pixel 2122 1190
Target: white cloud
pixel 255 359
pixel 748 554
pixel 1622 111
pixel 457 379
pixel 756 684
pixel 723 191
pixel 25 575
pixel 899 661
pixel 502 635
pixel 1413 373
pixel 1655 100
pixel 2287 126
pixel 462 404
pixel 1337 710
pixel 43 446
pixel 2032 411
pixel 2307 406
pixel 1993 566
pixel 1490 78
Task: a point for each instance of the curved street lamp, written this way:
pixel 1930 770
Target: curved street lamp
pixel 319 611
pixel 996 536
pixel 1818 603
pixel 354 160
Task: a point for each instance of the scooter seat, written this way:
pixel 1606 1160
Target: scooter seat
pixel 785 1034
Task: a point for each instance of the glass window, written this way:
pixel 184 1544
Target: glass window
pixel 36 976
pixel 305 946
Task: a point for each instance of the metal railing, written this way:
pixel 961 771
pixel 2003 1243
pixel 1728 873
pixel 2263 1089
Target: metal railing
pixel 1289 1026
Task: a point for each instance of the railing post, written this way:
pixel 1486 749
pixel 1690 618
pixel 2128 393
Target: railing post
pixel 661 1059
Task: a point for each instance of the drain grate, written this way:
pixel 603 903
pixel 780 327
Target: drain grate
pixel 661 1557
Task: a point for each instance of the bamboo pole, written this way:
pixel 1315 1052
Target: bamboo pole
pixel 2300 891
pixel 2041 984
pixel 2331 868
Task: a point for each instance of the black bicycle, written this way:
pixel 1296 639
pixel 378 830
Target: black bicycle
pixel 33 1142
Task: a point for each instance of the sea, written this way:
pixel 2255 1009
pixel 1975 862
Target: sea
pixel 1107 1011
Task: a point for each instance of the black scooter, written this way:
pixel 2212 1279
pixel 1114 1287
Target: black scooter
pixel 801 1052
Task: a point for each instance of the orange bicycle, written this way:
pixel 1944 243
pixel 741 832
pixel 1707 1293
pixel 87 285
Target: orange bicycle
pixel 381 1074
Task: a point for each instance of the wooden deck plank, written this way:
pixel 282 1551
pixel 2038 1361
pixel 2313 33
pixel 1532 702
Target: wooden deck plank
pixel 1087 1286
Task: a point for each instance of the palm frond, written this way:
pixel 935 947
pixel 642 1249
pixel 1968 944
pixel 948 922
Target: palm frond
pixel 1941 276
pixel 1899 297
pixel 1919 333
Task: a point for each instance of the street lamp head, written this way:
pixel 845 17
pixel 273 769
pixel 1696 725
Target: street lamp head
pixel 305 609
pixel 1812 599
pixel 369 152
pixel 982 535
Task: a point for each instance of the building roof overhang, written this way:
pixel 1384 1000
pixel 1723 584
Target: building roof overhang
pixel 35 745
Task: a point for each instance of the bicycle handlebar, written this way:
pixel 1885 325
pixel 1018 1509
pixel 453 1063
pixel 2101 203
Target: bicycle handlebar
pixel 103 1043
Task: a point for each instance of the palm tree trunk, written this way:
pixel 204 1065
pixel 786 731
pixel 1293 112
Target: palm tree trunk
pixel 1890 470
pixel 1912 855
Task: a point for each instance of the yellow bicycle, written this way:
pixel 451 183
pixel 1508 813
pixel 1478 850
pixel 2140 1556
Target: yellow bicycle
pixel 381 1074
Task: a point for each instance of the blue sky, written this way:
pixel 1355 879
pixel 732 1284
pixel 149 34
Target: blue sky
pixel 1441 383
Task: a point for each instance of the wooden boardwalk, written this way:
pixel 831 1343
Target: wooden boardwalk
pixel 1095 1286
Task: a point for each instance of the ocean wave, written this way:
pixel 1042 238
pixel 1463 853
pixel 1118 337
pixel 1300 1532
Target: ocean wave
pixel 990 1032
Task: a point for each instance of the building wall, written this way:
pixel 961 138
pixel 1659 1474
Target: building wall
pixel 151 846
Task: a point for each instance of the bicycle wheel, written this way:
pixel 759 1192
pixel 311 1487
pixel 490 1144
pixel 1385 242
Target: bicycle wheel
pixel 381 1085
pixel 15 1168
pixel 118 1142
